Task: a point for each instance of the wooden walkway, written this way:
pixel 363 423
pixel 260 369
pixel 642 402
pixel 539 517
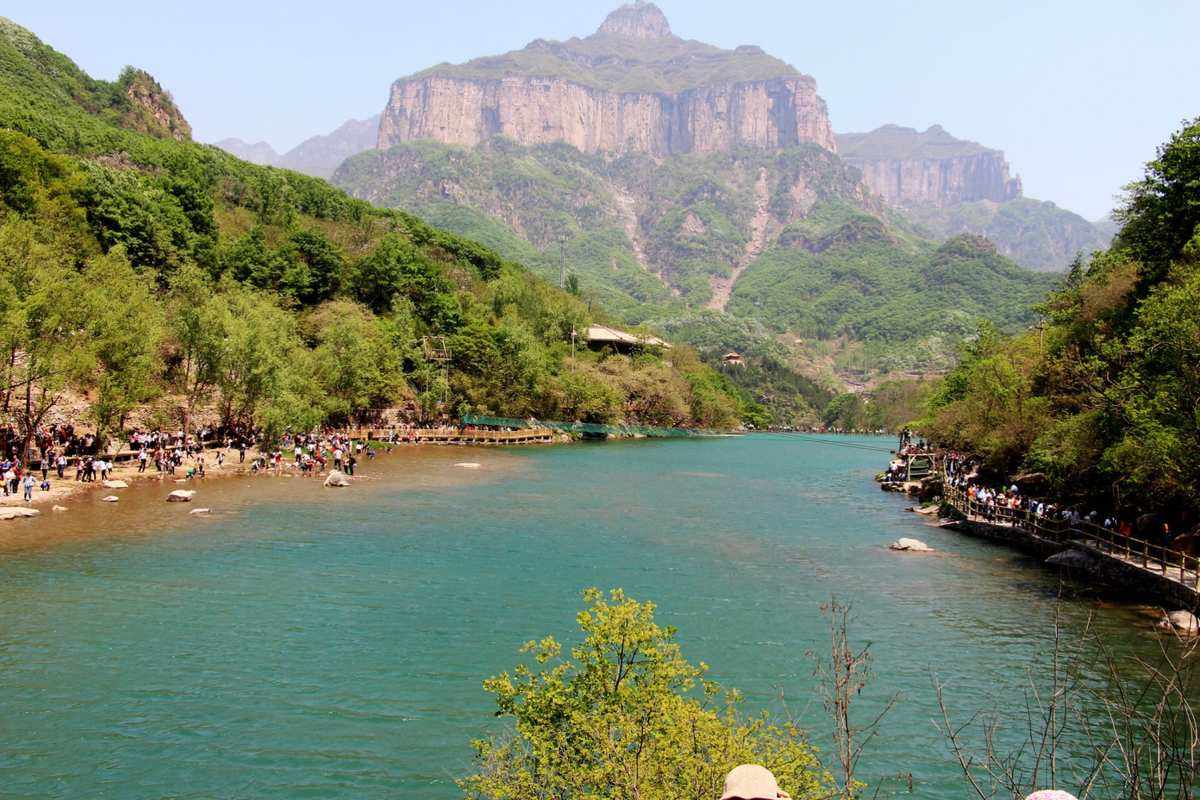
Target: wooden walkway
pixel 1154 561
pixel 465 436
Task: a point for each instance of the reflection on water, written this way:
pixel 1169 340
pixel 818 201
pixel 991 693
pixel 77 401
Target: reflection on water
pixel 304 641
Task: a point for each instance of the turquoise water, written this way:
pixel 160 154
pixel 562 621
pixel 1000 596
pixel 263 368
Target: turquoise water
pixel 331 643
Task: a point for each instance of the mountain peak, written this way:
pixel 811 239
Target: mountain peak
pixel 637 20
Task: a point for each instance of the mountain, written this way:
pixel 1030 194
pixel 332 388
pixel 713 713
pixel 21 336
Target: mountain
pixel 684 185
pixel 950 186
pixel 903 166
pixel 146 273
pixel 256 152
pixel 319 155
pixel 631 87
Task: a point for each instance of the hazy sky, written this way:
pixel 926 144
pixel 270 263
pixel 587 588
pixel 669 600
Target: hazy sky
pixel 1077 92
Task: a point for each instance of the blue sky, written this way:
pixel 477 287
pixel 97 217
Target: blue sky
pixel 1077 93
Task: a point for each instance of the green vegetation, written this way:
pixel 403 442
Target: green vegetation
pixel 1035 234
pixel 626 715
pixel 1102 397
pixel 620 64
pixel 644 238
pixel 139 267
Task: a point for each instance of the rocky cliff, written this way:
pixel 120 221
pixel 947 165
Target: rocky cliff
pixel 150 108
pixel 632 87
pixel 904 166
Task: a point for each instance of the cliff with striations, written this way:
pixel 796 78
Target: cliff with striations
pixel 904 167
pixel 632 87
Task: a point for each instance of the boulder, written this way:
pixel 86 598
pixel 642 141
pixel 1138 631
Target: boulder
pixel 1183 623
pixel 1051 794
pixel 115 484
pixel 468 464
pixel 910 546
pixel 112 498
pixel 200 511
pixel 12 512
pixel 337 479
pixel 1073 559
pixel 59 508
pixel 181 496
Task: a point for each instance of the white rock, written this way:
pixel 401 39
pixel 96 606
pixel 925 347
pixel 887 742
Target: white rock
pixel 115 485
pixel 1051 794
pixel 1184 623
pixel 200 511
pixel 181 496
pixel 12 512
pixel 911 546
pixel 468 464
pixel 1073 559
pixel 112 498
pixel 336 479
pixel 59 508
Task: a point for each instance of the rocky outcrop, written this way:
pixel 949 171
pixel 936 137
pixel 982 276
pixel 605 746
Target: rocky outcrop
pixel 151 109
pixel 903 167
pixel 594 94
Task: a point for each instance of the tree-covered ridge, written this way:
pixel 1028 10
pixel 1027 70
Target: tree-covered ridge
pixel 1102 398
pixel 267 294
pixel 646 238
pixel 1035 234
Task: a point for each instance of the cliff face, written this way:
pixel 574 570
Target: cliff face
pixel 533 111
pixel 905 167
pixel 632 87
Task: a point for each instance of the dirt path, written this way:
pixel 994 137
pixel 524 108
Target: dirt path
pixel 723 287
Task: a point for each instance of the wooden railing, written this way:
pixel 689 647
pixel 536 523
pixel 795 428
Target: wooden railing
pixel 1130 549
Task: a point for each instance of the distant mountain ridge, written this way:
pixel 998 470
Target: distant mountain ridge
pixel 318 155
pixel 951 186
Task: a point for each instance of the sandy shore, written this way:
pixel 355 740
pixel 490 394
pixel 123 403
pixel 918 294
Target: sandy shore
pixel 64 492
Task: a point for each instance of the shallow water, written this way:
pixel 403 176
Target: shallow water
pixel 304 642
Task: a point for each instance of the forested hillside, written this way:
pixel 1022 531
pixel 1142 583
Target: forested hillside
pixel 138 267
pixel 1102 399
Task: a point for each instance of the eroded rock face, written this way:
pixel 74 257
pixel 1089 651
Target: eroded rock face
pixel 533 111
pixel 152 110
pixel 904 166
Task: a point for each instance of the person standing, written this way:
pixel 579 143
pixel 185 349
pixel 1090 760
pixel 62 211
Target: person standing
pixel 29 482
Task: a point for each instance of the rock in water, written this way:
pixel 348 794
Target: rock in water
pixel 115 485
pixel 17 511
pixel 112 498
pixel 1183 623
pixel 468 464
pixel 1051 794
pixel 1073 559
pixel 200 511
pixel 910 546
pixel 59 508
pixel 337 479
pixel 181 496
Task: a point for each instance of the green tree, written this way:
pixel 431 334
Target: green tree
pixel 625 715
pixel 125 326
pixel 194 319
pixel 42 328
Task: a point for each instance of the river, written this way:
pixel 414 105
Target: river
pixel 304 642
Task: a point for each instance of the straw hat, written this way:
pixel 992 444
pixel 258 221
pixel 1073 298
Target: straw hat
pixel 752 782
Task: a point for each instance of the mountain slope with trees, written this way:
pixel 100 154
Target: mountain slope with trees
pixel 138 267
pixel 1102 398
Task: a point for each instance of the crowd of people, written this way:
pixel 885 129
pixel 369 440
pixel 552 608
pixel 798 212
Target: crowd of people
pixel 1009 503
